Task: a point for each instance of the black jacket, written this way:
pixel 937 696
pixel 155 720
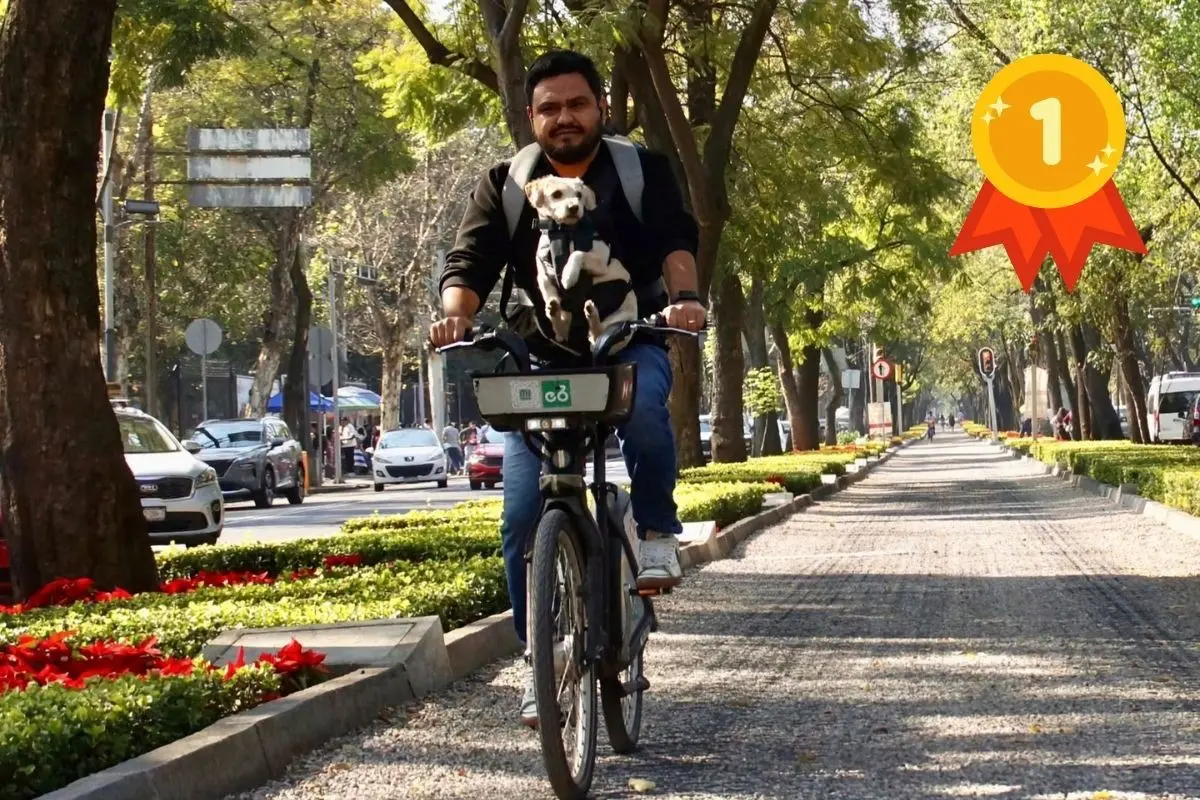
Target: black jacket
pixel 483 248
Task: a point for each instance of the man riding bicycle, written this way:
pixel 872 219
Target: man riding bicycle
pixel 656 243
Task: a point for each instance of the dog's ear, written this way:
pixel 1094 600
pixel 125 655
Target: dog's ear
pixel 535 191
pixel 588 197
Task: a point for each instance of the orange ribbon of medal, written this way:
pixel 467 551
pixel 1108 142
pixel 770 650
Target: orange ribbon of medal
pixel 1048 132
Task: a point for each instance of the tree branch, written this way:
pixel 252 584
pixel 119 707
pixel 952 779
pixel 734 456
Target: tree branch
pixel 977 32
pixel 720 136
pixel 440 55
pixel 677 121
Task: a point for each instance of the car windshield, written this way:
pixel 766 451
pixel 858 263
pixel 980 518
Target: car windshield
pixel 140 435
pixel 411 437
pixel 1174 402
pixel 228 434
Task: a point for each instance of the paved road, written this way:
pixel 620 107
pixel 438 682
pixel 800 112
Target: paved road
pixel 951 627
pixel 323 514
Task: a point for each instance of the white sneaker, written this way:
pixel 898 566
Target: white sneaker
pixel 529 717
pixel 658 562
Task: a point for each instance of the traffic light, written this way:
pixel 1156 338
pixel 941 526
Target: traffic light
pixel 987 362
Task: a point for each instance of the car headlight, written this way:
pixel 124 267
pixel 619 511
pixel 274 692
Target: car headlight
pixel 206 478
pixel 378 459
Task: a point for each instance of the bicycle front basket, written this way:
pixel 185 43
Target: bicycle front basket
pixel 559 398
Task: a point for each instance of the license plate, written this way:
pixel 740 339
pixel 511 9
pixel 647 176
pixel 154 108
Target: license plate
pixel 154 514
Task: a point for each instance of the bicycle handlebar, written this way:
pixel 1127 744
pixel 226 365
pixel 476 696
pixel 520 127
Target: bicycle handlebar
pixel 487 338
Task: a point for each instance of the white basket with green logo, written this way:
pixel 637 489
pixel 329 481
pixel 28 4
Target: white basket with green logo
pixel 566 397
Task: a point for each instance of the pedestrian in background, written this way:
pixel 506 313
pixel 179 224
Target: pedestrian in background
pixel 452 444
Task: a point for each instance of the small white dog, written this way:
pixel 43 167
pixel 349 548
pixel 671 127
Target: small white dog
pixel 561 204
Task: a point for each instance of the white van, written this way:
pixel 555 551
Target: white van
pixel 1167 404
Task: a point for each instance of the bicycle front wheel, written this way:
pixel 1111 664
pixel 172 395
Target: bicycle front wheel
pixel 564 679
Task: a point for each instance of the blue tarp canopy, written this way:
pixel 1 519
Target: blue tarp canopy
pixel 315 403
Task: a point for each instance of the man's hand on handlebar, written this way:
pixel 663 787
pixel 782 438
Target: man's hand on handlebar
pixel 449 330
pixel 686 314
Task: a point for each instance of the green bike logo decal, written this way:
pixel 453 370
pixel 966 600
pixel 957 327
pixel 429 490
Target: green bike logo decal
pixel 556 394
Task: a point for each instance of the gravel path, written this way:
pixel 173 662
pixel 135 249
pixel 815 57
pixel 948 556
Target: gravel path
pixel 951 627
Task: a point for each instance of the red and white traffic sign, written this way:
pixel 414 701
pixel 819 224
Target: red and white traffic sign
pixel 882 369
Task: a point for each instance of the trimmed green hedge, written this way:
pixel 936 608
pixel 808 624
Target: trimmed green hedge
pixel 1160 472
pixel 473 536
pixel 52 735
pixel 459 592
pixel 477 515
pixel 724 503
pixel 797 473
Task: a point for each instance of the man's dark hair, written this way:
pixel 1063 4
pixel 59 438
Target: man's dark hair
pixel 563 62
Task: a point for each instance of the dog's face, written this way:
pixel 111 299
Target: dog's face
pixel 564 200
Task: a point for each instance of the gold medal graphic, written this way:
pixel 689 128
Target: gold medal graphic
pixel 1048 132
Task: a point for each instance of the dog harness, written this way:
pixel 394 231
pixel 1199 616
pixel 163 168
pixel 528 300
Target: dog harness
pixel 566 239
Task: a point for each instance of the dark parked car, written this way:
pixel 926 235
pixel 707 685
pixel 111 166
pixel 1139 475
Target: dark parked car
pixel 254 458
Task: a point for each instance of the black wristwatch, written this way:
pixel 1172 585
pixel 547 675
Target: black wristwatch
pixel 686 294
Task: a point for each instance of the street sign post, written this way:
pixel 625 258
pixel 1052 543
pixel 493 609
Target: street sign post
pixel 986 359
pixel 203 337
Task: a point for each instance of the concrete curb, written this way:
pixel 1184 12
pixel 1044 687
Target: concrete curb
pixel 337 488
pixel 1124 496
pixel 246 750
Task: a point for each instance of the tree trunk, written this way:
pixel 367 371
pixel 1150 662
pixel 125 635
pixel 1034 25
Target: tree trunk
pixel 86 520
pixel 279 313
pixel 806 430
pixel 787 377
pixel 684 402
pixel 1066 359
pixel 1127 363
pixel 766 428
pixel 836 398
pixel 295 388
pixel 1083 408
pixel 1136 433
pixel 1105 423
pixel 392 385
pixel 729 371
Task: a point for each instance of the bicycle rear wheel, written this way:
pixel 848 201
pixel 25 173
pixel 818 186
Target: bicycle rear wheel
pixel 564 679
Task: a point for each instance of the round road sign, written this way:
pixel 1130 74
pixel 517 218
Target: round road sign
pixel 203 336
pixel 882 369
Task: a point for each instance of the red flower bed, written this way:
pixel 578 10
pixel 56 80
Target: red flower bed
pixel 56 660
pixel 65 591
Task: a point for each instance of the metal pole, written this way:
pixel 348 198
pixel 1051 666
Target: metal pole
pixel 1034 401
pixel 420 387
pixel 110 236
pixel 204 383
pixel 992 408
pixel 337 418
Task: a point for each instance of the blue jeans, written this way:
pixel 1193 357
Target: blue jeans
pixel 648 446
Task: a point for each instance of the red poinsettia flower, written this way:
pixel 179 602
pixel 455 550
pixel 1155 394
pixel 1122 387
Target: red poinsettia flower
pixel 351 560
pixel 292 657
pixel 304 572
pixel 176 666
pixel 236 664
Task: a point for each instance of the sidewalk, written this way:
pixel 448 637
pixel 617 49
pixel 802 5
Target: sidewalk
pixel 951 627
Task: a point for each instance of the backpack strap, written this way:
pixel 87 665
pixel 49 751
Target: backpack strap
pixel 629 169
pixel 512 196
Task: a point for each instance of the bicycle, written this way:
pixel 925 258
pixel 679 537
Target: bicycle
pixel 588 623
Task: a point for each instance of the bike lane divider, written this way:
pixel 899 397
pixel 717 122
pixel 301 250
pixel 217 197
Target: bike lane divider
pixel 400 661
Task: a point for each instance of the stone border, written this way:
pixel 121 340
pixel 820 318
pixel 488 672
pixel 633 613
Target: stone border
pixel 1124 496
pixel 249 749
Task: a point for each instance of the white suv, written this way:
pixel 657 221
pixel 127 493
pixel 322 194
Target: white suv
pixel 181 498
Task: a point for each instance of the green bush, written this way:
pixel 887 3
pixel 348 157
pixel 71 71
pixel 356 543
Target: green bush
pixel 459 592
pixel 52 735
pixel 471 537
pixel 1151 468
pixel 477 515
pixel 797 473
pixel 724 503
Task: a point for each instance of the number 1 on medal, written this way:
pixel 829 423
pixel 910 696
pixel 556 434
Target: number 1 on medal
pixel 1049 113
